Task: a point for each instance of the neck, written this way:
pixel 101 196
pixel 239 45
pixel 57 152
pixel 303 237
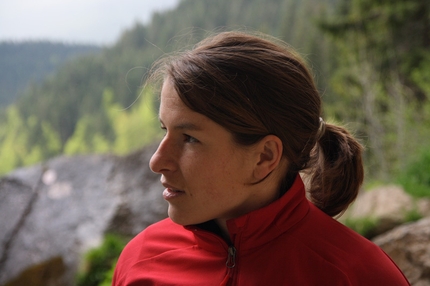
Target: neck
pixel 222 223
pixel 266 192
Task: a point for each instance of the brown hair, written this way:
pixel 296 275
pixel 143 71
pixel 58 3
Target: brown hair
pixel 254 87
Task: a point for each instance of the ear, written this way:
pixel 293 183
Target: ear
pixel 269 155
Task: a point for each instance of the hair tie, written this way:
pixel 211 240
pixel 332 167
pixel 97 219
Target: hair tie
pixel 321 130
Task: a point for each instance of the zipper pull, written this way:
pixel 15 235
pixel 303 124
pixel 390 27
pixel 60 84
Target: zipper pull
pixel 231 258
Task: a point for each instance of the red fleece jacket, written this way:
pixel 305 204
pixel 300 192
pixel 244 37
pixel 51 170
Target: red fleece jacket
pixel 289 242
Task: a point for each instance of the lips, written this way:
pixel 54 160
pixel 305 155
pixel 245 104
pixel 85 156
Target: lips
pixel 171 192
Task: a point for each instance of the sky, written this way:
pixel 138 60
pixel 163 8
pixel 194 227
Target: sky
pixel 99 22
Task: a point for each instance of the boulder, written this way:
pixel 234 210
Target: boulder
pixel 382 202
pixel 409 246
pixel 423 205
pixel 384 208
pixel 54 212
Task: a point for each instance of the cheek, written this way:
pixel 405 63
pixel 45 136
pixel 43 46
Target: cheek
pixel 236 169
pixel 223 178
pixel 205 166
pixel 213 174
pixel 209 180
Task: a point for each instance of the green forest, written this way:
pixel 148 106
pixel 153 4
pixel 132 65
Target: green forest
pixel 371 61
pixel 22 63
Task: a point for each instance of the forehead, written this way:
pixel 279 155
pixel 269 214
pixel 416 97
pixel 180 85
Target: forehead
pixel 169 96
pixel 173 108
pixel 175 115
pixel 170 100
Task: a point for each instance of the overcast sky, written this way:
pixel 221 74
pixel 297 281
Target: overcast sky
pixel 74 21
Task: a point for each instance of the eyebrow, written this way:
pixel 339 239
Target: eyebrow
pixel 185 126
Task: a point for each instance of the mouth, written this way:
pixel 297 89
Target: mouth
pixel 171 188
pixel 171 192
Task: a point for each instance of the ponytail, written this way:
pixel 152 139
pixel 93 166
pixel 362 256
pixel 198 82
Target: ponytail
pixel 336 170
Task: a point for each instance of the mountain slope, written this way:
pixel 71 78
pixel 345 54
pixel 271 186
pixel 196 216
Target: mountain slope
pixel 24 62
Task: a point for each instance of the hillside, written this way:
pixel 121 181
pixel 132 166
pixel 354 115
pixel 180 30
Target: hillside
pixel 76 106
pixel 22 63
pixel 372 72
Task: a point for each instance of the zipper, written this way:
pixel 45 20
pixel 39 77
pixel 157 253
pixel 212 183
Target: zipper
pixel 231 257
pixel 230 264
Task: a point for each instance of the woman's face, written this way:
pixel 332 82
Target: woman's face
pixel 206 174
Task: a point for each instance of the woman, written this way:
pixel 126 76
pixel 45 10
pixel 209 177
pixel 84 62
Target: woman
pixel 242 119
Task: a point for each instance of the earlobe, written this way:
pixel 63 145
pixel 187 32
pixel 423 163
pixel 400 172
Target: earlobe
pixel 269 155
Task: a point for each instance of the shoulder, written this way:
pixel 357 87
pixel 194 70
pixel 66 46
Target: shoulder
pixel 158 238
pixel 162 229
pixel 155 240
pixel 358 258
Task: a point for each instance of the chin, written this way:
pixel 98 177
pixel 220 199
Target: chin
pixel 181 219
pixel 177 217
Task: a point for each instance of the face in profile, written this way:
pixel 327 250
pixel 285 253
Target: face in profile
pixel 206 174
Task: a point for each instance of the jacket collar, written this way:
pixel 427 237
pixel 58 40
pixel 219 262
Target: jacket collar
pixel 260 226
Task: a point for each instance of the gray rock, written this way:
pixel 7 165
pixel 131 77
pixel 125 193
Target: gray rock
pixel 423 205
pixel 387 207
pixel 409 246
pixel 382 202
pixel 59 210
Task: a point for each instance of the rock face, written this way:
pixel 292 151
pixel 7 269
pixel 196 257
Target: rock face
pixel 52 213
pixel 409 246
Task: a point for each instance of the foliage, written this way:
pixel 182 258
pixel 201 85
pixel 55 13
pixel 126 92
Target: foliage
pixel 372 226
pixel 17 140
pixel 98 262
pixel 25 62
pixel 413 215
pixel 108 277
pixel 135 128
pixel 381 70
pixel 415 177
pixel 364 226
pixel 132 128
pixel 25 142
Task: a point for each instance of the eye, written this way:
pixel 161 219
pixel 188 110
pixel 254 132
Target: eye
pixel 164 130
pixel 190 139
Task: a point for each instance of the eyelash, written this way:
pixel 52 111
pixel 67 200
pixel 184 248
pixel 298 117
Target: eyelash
pixel 187 138
pixel 190 139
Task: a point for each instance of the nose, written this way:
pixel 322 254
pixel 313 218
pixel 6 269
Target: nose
pixel 162 160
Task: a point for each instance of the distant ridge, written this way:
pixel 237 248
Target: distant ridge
pixel 22 63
